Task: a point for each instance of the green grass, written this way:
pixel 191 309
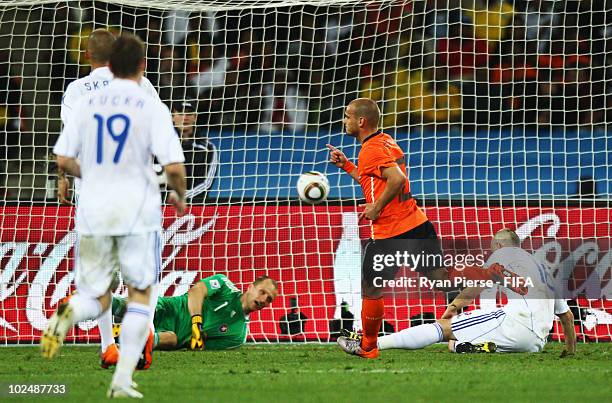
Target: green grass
pixel 322 373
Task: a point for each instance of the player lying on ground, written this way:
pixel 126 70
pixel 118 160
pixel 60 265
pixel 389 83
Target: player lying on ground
pixel 212 315
pixel 522 325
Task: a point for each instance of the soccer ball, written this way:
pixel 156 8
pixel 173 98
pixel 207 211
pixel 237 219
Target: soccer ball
pixel 313 187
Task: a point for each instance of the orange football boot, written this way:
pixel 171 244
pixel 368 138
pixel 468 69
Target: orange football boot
pixel 353 346
pixel 109 357
pixel 147 353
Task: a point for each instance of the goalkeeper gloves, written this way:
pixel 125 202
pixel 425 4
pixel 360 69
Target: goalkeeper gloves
pixel 197 336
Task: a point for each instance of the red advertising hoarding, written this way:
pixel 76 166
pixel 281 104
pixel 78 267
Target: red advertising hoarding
pixel 306 248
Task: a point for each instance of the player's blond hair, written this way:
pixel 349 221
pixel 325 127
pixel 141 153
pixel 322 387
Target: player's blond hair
pixel 100 45
pixel 263 278
pixel 506 237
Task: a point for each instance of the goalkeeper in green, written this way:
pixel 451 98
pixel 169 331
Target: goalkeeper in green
pixel 212 315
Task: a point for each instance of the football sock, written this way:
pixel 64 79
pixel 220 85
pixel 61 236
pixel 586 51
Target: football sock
pixel 105 325
pixel 372 312
pixel 413 337
pixel 153 303
pixel 134 332
pixel 84 307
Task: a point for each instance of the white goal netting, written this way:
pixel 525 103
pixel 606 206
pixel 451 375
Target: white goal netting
pixel 502 108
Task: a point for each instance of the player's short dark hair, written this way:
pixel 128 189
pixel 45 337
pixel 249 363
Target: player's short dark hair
pixel 367 108
pixel 127 55
pixel 100 45
pixel 263 278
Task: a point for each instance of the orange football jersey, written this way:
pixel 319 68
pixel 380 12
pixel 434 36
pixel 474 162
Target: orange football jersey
pixel 402 213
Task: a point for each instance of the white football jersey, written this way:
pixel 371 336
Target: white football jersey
pixel 96 80
pixel 115 132
pixel 537 309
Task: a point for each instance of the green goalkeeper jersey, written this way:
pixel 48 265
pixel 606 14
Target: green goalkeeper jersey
pixel 224 323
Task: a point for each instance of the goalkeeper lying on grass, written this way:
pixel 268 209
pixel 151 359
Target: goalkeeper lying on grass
pixel 212 315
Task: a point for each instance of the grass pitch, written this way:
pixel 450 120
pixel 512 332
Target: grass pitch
pixel 322 373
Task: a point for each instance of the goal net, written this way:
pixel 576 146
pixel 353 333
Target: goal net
pixel 501 107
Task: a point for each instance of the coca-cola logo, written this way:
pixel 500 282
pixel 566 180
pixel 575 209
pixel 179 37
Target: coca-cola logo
pixel 595 285
pixel 178 234
pixel 313 251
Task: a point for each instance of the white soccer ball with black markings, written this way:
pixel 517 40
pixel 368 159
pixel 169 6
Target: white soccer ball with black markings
pixel 313 187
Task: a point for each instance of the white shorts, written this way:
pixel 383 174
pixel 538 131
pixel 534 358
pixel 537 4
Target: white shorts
pixel 495 325
pixel 137 257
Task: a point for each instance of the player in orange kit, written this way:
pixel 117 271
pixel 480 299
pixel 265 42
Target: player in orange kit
pixel 381 172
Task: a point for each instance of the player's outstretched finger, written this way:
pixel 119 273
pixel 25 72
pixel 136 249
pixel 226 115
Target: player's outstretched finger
pixel 332 148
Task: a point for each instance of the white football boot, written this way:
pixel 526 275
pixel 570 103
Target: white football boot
pixel 53 337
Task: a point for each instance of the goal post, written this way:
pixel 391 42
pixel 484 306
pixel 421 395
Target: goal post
pixel 501 108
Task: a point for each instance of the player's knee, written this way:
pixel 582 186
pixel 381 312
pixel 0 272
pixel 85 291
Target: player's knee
pixel 447 331
pixel 139 296
pixel 105 301
pixel 368 290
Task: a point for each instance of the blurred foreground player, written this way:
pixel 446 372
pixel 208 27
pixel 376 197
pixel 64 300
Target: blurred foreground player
pixel 115 132
pixel 381 172
pixel 213 315
pixel 522 325
pixel 99 47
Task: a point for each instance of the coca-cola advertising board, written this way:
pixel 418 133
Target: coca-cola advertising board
pixel 313 251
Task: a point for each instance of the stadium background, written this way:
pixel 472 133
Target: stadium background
pixel 504 116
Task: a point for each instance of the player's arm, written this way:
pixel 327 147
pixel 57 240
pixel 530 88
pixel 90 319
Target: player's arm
pixel 465 298
pixel 63 183
pixel 338 158
pixel 569 332
pixel 66 148
pixel 69 165
pixel 63 187
pixel 395 181
pixel 69 99
pixel 168 151
pixel 195 300
pixel 175 175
